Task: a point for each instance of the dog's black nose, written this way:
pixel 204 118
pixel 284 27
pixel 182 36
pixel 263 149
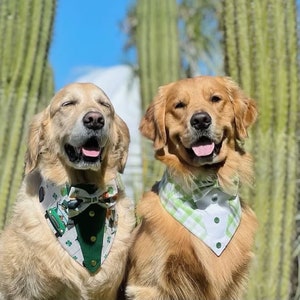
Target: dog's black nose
pixel 93 120
pixel 200 120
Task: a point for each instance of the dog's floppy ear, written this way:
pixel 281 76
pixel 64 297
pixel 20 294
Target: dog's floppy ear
pixel 245 110
pixel 35 138
pixel 152 125
pixel 120 145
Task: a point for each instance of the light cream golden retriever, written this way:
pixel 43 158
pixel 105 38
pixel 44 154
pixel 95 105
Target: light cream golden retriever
pixel 195 237
pixel 69 234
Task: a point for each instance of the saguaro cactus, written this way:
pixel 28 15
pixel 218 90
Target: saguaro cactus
pixel 261 54
pixel 25 31
pixel 159 61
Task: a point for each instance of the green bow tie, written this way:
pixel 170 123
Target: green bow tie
pixel 80 199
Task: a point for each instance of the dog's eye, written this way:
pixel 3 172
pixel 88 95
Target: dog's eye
pixel 104 104
pixel 215 98
pixel 180 104
pixel 68 103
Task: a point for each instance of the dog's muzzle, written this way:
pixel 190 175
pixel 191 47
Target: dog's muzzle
pixel 90 151
pixel 203 145
pixel 85 146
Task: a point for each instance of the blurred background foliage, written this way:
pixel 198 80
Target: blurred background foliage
pixel 256 42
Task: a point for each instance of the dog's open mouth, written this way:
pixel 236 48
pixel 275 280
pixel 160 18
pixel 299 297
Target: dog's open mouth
pixel 204 147
pixel 90 151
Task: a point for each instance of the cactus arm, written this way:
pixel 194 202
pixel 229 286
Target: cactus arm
pixel 293 93
pixel 261 50
pixel 159 62
pixel 33 26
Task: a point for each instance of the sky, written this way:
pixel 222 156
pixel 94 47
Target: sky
pixel 86 35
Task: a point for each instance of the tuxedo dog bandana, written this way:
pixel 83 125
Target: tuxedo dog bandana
pixel 83 219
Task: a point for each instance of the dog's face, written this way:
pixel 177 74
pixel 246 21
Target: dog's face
pixel 198 119
pixel 80 128
pixel 82 119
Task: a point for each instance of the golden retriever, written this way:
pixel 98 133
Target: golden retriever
pixel 187 245
pixel 77 145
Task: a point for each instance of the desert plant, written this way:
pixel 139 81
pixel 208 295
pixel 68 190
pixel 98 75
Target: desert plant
pixel 261 53
pixel 172 40
pixel 200 46
pixel 159 62
pixel 25 30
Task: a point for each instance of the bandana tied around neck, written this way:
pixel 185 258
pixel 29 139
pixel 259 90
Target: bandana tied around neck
pixel 208 212
pixel 83 219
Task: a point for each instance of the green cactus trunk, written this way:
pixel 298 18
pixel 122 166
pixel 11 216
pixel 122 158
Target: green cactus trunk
pixel 261 54
pixel 159 62
pixel 25 77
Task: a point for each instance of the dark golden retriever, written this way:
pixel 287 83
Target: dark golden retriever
pixel 69 234
pixel 195 237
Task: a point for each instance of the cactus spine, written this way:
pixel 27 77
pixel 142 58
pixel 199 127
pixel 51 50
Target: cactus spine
pixel 25 29
pixel 159 61
pixel 261 54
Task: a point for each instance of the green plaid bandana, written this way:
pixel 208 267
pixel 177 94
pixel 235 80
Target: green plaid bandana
pixel 208 212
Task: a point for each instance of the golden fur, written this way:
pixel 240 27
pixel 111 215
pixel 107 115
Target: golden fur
pixel 33 263
pixel 166 261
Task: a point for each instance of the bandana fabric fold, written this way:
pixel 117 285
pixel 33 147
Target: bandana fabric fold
pixel 208 212
pixel 69 210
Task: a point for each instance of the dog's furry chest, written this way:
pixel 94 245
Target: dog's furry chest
pixel 35 250
pixel 184 261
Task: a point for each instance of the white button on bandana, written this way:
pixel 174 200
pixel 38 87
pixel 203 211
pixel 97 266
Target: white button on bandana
pixel 208 212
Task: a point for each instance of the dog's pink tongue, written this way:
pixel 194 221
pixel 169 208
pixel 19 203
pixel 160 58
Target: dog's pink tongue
pixel 90 152
pixel 204 150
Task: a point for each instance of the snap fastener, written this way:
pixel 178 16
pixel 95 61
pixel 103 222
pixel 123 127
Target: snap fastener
pixel 216 220
pixel 214 197
pixel 93 238
pixel 218 245
pixel 93 263
pixel 91 213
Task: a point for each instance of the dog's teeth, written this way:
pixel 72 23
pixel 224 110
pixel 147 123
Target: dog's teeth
pixel 204 150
